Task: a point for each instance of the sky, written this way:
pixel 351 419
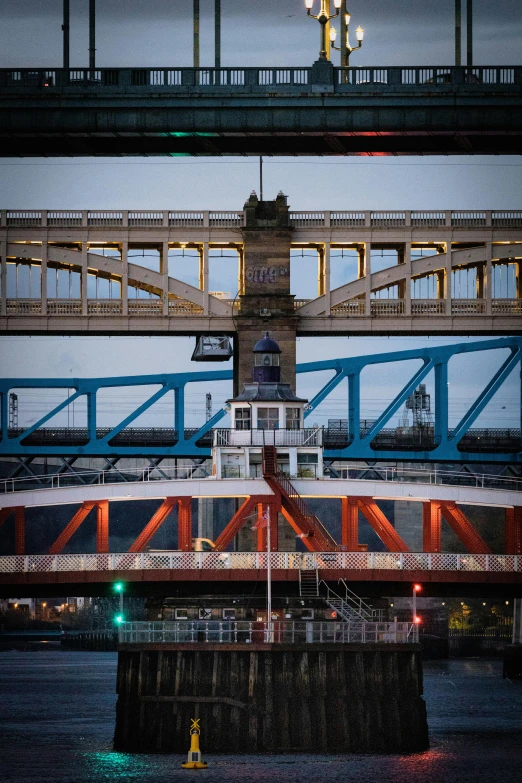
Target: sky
pixel 158 32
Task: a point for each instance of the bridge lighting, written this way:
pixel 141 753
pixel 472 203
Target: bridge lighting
pixel 417 620
pixel 417 588
pixel 118 587
pixel 346 49
pixel 119 619
pixel 323 17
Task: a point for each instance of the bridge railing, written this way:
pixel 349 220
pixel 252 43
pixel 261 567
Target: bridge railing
pixel 342 471
pixel 260 79
pixel 258 561
pixel 15 218
pixel 278 632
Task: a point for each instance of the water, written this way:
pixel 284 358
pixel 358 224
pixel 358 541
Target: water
pixel 57 720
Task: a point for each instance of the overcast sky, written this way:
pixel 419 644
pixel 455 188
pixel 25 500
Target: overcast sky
pixel 158 32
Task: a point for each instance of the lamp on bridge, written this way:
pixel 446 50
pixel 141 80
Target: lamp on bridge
pixel 323 17
pixel 346 50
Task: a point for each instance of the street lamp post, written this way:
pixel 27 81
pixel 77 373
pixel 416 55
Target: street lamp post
pixel 346 50
pixel 323 17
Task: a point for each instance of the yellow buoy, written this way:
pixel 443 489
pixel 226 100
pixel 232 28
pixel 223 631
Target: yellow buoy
pixel 194 760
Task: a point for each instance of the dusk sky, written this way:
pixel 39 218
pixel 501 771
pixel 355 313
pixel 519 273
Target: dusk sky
pixel 158 32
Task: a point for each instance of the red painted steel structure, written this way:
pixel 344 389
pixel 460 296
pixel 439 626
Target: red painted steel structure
pixel 307 526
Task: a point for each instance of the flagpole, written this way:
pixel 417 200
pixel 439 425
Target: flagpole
pixel 269 578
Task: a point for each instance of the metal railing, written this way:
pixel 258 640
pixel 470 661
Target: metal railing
pixel 216 561
pixel 275 632
pixel 262 79
pixel 235 219
pixel 349 471
pixel 258 437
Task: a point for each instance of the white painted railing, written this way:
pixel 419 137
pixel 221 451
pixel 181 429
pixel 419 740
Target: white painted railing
pixel 258 561
pixel 233 219
pixel 275 632
pixel 350 471
pixel 306 437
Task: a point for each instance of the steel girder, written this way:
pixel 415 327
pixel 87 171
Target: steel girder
pixel 433 358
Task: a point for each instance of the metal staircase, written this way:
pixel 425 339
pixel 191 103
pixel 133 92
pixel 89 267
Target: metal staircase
pixel 308 583
pixel 314 534
pixel 349 606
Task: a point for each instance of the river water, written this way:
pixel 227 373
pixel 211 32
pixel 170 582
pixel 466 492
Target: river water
pixel 57 718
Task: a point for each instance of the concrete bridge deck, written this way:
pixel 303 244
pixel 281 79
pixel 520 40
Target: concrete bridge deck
pixel 377 302
pixel 317 110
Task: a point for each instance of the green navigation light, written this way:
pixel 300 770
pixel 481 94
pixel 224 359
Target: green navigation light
pixel 118 586
pixel 119 619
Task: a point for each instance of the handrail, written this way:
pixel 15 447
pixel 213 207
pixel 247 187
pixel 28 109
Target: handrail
pixel 291 491
pixel 436 477
pixel 333 219
pixel 261 632
pixel 178 561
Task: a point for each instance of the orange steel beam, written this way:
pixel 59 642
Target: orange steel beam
pixel 463 528
pixel 185 524
pixel 102 526
pixel 153 525
pixel 20 530
pixel 431 526
pixel 237 522
pixel 350 524
pixel 261 537
pixel 71 528
pixel 261 531
pixel 307 536
pixel 386 532
pixel 514 531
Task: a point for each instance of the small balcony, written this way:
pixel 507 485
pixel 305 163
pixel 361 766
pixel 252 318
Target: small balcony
pixel 280 437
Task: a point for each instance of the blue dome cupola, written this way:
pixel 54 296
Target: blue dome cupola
pixel 266 364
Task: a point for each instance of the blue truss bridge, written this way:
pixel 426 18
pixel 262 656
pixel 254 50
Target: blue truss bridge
pixel 346 438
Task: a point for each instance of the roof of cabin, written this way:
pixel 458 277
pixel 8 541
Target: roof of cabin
pixel 267 392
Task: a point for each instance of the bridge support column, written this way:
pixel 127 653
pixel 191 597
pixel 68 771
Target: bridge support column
pixel 83 281
pixel 102 526
pixel 514 531
pixel 71 528
pixel 153 525
pixel 3 278
pixel 20 531
pixel 43 275
pixel 237 522
pixel 164 268
pixel 350 524
pixel 386 532
pixel 125 278
pixel 185 524
pixel 431 526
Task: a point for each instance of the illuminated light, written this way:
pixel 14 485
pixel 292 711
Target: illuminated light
pixel 359 34
pixel 118 587
pixel 309 4
pixel 417 588
pixel 418 620
pixel 333 34
pixel 507 603
pixel 483 603
pixel 337 3
pixel 119 619
pixel 444 603
pixel 347 18
pixel 15 606
pixel 333 614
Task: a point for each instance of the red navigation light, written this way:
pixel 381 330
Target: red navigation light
pixel 418 620
pixel 333 614
pixel 417 588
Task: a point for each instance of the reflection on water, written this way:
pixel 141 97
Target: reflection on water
pixel 57 720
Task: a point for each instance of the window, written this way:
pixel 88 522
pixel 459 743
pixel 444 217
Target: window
pixel 293 418
pixel 243 418
pixel 229 614
pixel 267 418
pixel 267 360
pixel 181 614
pixel 307 614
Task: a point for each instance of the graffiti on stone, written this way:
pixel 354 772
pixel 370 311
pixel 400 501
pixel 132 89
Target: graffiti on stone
pixel 265 274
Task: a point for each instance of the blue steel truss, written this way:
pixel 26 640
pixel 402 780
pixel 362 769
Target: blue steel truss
pixel 434 358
